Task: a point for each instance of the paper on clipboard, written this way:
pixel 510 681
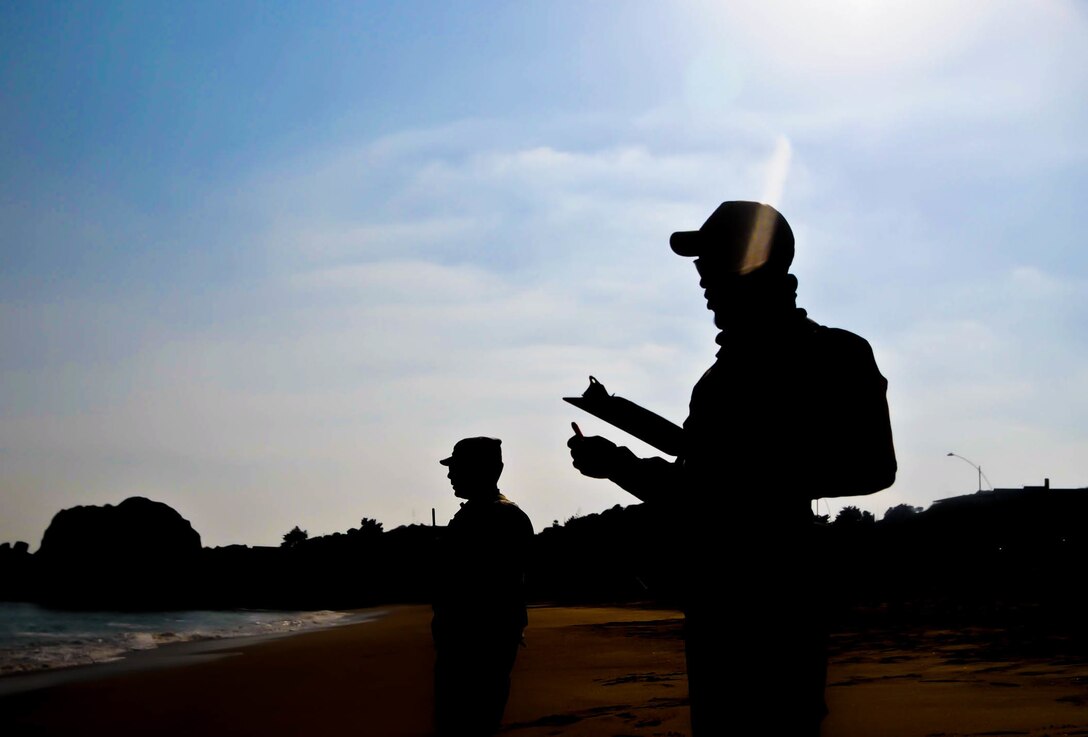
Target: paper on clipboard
pixel 640 422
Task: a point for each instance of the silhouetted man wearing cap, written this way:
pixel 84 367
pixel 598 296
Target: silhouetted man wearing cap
pixel 479 608
pixel 789 412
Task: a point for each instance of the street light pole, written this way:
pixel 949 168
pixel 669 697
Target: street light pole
pixel 975 466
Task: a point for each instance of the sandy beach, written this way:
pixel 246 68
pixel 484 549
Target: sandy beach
pixel 923 682
pixel 585 672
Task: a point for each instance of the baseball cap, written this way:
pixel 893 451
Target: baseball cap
pixel 478 450
pixel 740 237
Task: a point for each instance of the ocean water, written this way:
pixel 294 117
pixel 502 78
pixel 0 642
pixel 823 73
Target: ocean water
pixel 34 639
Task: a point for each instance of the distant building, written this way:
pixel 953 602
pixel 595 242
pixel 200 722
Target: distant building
pixel 988 497
pixel 1029 515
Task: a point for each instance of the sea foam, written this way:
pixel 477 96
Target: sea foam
pixel 33 638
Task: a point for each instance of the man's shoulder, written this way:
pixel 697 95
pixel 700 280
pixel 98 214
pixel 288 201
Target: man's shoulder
pixel 509 509
pixel 509 506
pixel 841 339
pixel 491 517
pixel 846 356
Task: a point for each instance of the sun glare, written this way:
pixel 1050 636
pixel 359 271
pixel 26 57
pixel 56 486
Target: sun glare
pixel 778 169
pixel 846 36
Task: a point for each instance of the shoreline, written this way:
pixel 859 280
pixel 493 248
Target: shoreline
pixel 582 668
pixel 166 655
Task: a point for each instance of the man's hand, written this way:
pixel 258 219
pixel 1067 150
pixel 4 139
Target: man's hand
pixel 593 456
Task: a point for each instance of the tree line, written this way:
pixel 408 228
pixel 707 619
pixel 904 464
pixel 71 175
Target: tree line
pixel 971 557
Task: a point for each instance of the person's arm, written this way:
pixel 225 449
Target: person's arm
pixel 648 479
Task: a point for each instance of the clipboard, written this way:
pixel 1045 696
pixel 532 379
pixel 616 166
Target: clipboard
pixel 647 426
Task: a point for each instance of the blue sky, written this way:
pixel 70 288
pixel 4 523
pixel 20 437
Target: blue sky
pixel 266 263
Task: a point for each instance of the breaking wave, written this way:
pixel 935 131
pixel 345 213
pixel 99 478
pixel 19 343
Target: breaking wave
pixel 33 638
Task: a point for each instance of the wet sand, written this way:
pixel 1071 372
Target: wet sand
pixel 585 672
pixel 929 682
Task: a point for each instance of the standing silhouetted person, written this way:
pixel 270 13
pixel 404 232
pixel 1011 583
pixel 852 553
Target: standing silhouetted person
pixel 479 608
pixel 789 412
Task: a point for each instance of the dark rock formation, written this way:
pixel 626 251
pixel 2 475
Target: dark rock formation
pixel 153 528
pixel 16 572
pixel 138 554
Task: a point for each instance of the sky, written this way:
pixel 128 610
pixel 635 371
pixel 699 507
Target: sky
pixel 267 262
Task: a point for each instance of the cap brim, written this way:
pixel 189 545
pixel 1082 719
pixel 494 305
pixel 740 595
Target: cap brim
pixel 686 242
